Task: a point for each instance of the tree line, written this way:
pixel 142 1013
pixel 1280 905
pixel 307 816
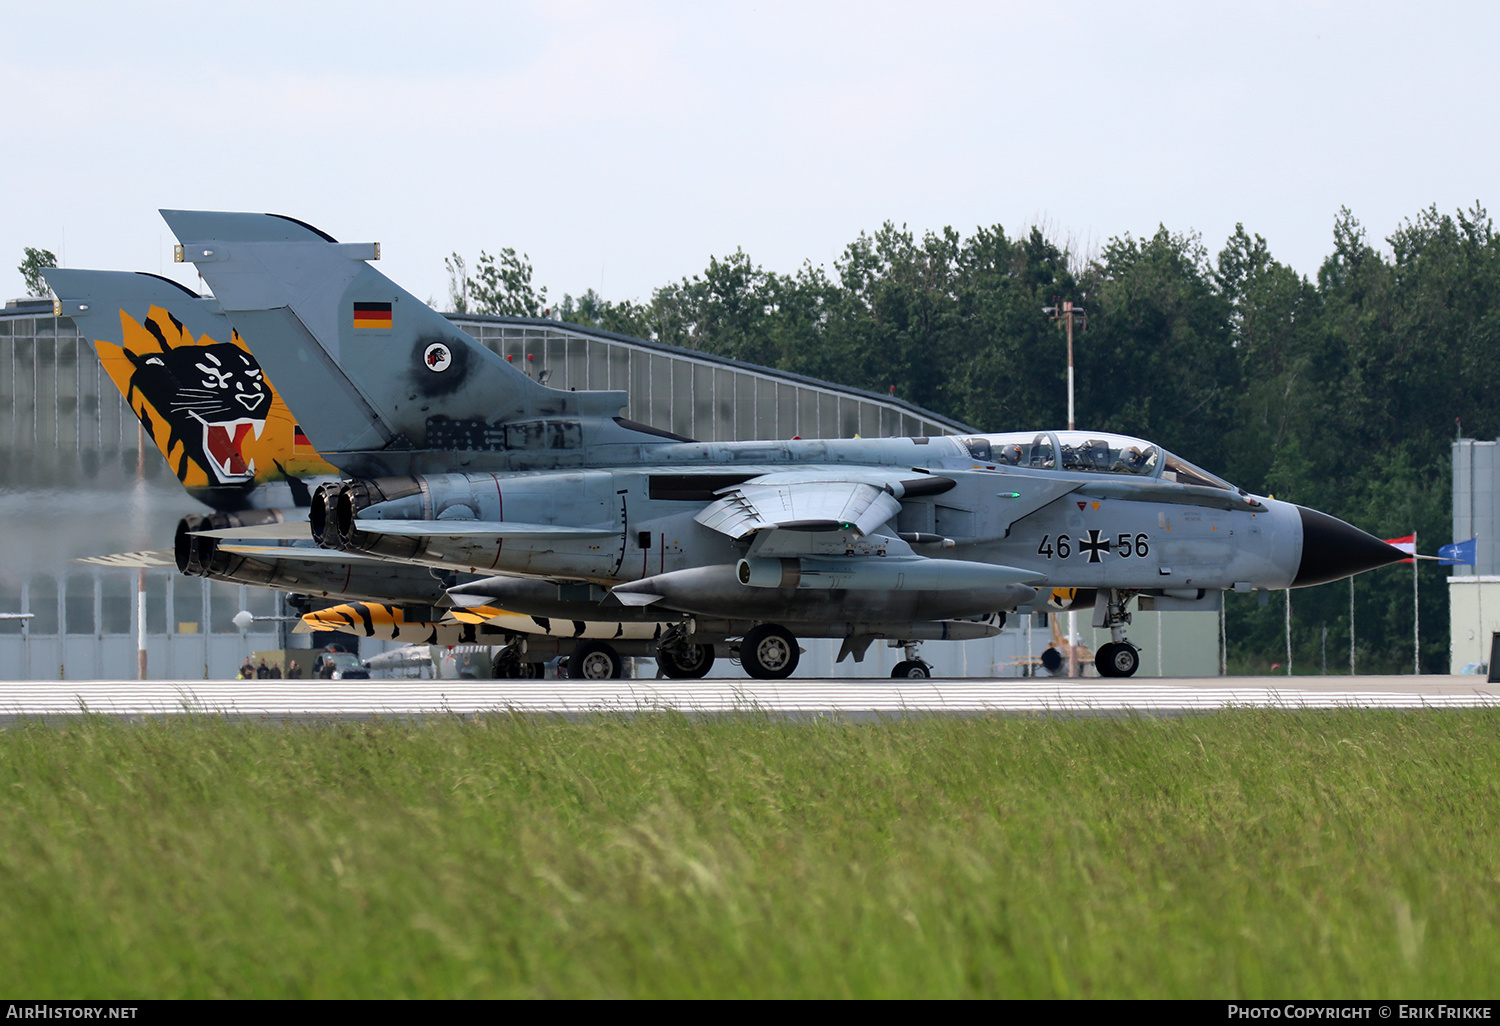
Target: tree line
pixel 1342 393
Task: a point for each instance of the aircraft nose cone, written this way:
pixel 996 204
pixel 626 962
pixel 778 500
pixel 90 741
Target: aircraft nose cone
pixel 1332 549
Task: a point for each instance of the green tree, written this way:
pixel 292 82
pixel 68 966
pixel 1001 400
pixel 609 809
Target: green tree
pixel 895 321
pixel 1276 335
pixel 31 270
pixel 593 311
pixel 1158 358
pixel 458 283
pixel 1009 369
pixel 736 308
pixel 499 285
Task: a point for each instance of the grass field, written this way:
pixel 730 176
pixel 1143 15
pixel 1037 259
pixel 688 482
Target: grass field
pixel 1241 854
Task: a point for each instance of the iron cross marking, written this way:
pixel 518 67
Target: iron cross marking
pixel 1093 545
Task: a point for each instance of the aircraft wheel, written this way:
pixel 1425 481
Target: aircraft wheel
pixel 686 660
pixel 507 665
pixel 531 671
pixel 769 652
pixel 594 660
pixel 1052 659
pixel 912 668
pixel 1102 659
pixel 1117 660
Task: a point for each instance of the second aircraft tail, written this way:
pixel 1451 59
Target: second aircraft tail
pixel 367 367
pixel 197 390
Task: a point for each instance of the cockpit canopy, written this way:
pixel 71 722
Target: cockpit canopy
pixel 1090 452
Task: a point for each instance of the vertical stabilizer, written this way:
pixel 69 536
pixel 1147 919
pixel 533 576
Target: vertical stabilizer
pixel 198 391
pixel 366 365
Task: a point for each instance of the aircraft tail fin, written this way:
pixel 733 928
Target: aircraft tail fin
pixel 194 385
pixel 367 366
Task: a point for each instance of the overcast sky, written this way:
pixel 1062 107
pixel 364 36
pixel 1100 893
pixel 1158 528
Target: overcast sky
pixel 621 144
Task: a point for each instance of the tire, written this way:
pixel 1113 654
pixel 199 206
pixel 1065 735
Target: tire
pixel 594 660
pixel 686 661
pixel 769 652
pixel 508 666
pixel 914 669
pixel 1117 660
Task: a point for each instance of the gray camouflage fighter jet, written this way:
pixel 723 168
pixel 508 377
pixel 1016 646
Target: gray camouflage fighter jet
pixel 457 460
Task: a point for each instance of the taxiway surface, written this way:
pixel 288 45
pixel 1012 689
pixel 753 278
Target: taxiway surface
pixel 20 700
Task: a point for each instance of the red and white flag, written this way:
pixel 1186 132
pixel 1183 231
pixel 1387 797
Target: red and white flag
pixel 1407 545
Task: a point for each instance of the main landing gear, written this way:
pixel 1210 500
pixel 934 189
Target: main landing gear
pixel 912 667
pixel 595 660
pixel 1118 658
pixel 508 666
pixel 687 661
pixel 769 652
pixel 680 658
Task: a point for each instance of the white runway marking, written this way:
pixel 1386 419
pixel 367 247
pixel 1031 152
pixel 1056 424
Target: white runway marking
pixel 810 696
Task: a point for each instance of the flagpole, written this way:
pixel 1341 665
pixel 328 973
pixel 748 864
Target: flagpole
pixel 1289 632
pixel 1479 597
pixel 1223 634
pixel 1351 625
pixel 1484 653
pixel 1416 610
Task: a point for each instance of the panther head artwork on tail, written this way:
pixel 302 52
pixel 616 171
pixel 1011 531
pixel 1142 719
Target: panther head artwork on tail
pixel 210 398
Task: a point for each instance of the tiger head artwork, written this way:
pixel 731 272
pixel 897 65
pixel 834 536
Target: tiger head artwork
pixel 207 405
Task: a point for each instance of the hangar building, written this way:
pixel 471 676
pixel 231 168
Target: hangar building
pixel 1474 591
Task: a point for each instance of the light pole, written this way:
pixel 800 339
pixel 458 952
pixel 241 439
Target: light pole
pixel 1065 311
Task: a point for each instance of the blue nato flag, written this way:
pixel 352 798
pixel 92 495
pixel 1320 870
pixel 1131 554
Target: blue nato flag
pixel 1458 552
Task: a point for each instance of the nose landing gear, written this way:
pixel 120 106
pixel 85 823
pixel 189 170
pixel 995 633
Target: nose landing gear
pixel 912 667
pixel 1118 658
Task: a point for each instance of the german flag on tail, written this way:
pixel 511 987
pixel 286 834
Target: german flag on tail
pixel 372 315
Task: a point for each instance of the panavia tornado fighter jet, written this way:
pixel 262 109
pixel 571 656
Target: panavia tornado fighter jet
pixel 455 460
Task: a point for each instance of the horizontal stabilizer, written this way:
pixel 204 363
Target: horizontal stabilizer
pixel 293 530
pixel 303 554
pixel 478 528
pixel 145 560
